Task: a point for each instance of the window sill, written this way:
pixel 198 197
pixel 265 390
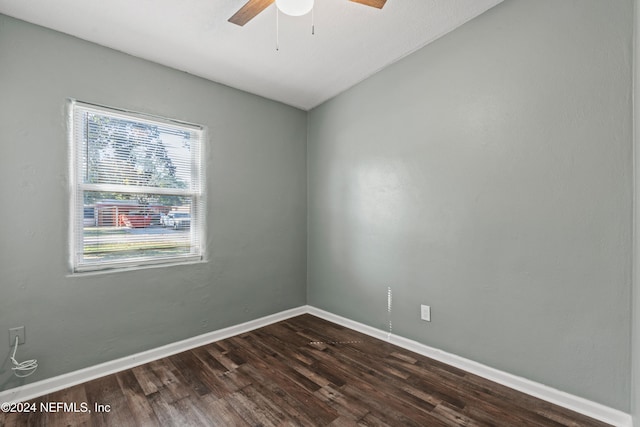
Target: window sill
pixel 132 268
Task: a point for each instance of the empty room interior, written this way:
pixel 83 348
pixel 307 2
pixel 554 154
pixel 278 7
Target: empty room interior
pixel 344 213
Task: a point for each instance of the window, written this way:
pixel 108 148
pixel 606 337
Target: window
pixel 137 189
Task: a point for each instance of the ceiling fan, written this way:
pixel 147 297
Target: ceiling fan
pixel 253 7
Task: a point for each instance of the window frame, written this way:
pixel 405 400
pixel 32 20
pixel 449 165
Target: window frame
pixel 77 187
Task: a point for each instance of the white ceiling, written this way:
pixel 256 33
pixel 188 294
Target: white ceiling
pixel 351 41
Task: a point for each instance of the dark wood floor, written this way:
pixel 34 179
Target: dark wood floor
pixel 303 371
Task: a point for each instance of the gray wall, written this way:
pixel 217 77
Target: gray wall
pixel 256 216
pixel 489 175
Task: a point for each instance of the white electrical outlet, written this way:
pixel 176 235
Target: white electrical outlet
pixel 16 332
pixel 425 313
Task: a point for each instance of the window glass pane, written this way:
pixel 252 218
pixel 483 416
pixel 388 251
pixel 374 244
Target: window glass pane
pixel 128 152
pixel 138 189
pixel 119 227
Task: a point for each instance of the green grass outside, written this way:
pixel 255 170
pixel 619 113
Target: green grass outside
pixel 132 246
pixel 98 231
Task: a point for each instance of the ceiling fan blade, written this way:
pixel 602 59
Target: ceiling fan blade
pixel 372 3
pixel 249 11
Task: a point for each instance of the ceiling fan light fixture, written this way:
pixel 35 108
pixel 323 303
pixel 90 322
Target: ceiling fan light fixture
pixel 295 7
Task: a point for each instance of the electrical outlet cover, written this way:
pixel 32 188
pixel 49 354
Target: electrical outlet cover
pixel 16 332
pixel 425 313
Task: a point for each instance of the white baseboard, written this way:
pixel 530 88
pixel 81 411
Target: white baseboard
pixel 549 394
pixel 40 388
pixel 566 400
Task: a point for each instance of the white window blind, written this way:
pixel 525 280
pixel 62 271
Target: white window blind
pixel 137 189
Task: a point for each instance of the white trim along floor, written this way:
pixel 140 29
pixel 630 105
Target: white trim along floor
pixel 557 397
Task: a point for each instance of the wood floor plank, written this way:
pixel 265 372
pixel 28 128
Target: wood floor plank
pixel 167 414
pixel 297 405
pixel 249 411
pixel 371 420
pixel 75 394
pixel 170 379
pixel 106 391
pixel 300 396
pixel 222 358
pixel 303 371
pixel 137 399
pixel 193 411
pixel 453 416
pixel 188 368
pixel 373 384
pixel 223 413
pixel 388 409
pixel 346 408
pixel 279 371
pixel 148 381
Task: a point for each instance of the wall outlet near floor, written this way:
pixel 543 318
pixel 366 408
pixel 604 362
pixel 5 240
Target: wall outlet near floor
pixel 16 332
pixel 425 313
